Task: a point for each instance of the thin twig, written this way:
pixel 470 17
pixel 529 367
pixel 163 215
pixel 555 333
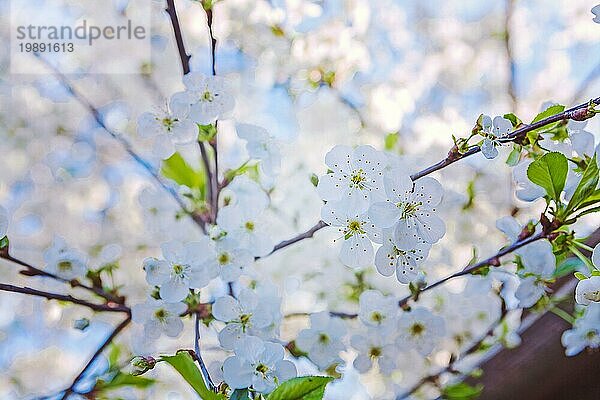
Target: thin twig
pixel 34 271
pixel 119 138
pixel 491 261
pixel 111 307
pixel 203 369
pixel 304 235
pixel 183 55
pixel 103 346
pixel 454 156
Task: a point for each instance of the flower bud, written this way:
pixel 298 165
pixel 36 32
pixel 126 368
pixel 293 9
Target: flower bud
pixel 142 364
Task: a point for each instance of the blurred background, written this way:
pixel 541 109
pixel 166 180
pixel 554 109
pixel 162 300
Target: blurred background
pixel 400 75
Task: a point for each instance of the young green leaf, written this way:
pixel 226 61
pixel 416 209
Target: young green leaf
pixel 548 112
pixel 185 365
pixel 121 380
pixel 461 391
pixel 549 172
pixel 302 388
pixel 177 169
pixel 580 276
pixel 586 187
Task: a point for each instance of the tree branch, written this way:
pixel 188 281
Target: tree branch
pixel 304 235
pixel 576 113
pixel 104 345
pixel 183 55
pixel 111 307
pixel 203 368
pixel 124 143
pixel 34 271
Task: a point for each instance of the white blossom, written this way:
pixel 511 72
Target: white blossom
pixel 323 341
pixel 493 130
pixel 249 314
pixel 63 261
pixel 261 146
pixel 377 310
pixel 420 329
pixel 585 331
pixel 209 98
pixel 357 232
pixel 530 290
pixel 159 317
pixel 400 257
pixel 185 266
pixel 374 346
pixel 596 11
pixel 257 364
pixel 168 127
pixel 588 291
pixel 410 207
pixel 356 177
pixel 246 225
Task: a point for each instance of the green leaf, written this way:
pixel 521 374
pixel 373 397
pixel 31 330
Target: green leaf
pixel 568 266
pixel 206 132
pixel 548 112
pixel 4 243
pixel 580 276
pixel 185 365
pixel 302 388
pixel 177 169
pixel 586 187
pixel 121 379
pixel 461 391
pixel 514 120
pixel 513 157
pixel 314 179
pixel 549 172
pixel 390 141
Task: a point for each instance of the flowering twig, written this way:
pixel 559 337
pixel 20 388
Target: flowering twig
pixel 103 346
pixel 63 297
pixel 490 261
pixel 578 112
pixel 124 143
pixel 34 271
pixel 203 368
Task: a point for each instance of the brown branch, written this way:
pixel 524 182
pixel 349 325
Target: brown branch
pixel 304 235
pixel 119 138
pixel 111 307
pixel 104 345
pixel 34 271
pixel 578 113
pixel 183 55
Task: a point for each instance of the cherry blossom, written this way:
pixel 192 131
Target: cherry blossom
pixel 208 97
pixel 257 364
pixel 588 291
pixel 585 331
pixel 64 261
pixel 159 317
pixel 261 146
pixel 374 346
pixel 493 130
pixel 420 329
pixel 245 225
pixel 395 256
pixel 322 341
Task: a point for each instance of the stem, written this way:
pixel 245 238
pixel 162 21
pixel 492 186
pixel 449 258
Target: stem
pixel 509 6
pixel 454 156
pixel 582 245
pixel 563 314
pixel 472 268
pixel 103 346
pixel 119 138
pixel 583 258
pixel 304 235
pixel 183 55
pixel 62 297
pixel 203 368
pixel 33 271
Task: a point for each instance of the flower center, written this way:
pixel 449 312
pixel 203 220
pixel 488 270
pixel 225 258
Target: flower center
pixel 249 225
pixel 245 318
pixel 223 259
pixel 417 329
pixel 323 338
pixel 592 296
pixel 353 227
pixel 161 314
pixel 591 335
pixel 178 269
pixel 262 368
pixel 409 209
pixel 207 96
pixel 168 123
pixel 375 352
pixel 65 265
pixel 358 179
pixel 377 317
